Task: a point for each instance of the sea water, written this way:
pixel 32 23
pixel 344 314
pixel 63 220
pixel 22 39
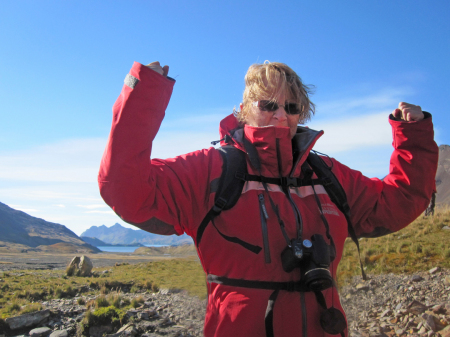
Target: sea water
pixel 123 249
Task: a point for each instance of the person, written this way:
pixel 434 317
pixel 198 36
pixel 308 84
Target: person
pixel 241 250
pixel 431 206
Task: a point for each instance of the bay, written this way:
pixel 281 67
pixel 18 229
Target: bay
pixel 123 249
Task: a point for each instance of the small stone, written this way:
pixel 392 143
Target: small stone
pixel 40 332
pixel 416 278
pixel 127 330
pixel 399 306
pixel 422 330
pixel 447 280
pixel 386 312
pixel 434 270
pixel 428 322
pixel 59 333
pixel 399 331
pixel 362 287
pixel 416 308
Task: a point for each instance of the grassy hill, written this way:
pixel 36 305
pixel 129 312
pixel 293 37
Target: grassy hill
pixel 421 246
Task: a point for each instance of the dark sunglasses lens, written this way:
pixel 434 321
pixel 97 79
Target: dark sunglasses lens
pixel 292 108
pixel 268 106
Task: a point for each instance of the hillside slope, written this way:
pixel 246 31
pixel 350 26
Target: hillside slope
pixel 17 227
pixel 443 176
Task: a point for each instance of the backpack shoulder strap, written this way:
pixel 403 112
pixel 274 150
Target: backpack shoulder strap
pixel 230 186
pixel 336 193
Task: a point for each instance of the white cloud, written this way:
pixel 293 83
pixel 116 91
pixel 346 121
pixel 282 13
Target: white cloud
pixel 26 210
pixel 73 160
pixel 93 206
pixel 352 133
pixel 101 212
pixel 363 104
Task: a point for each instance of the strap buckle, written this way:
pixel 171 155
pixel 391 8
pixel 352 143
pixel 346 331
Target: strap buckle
pixel 219 205
pixel 326 181
pixel 240 176
pixel 289 181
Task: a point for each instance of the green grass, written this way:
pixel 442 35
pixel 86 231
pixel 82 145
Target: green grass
pixel 418 247
pixel 19 289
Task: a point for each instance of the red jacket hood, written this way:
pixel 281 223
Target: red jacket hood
pixel 278 153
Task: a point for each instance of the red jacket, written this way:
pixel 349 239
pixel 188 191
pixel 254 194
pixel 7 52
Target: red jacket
pixel 173 195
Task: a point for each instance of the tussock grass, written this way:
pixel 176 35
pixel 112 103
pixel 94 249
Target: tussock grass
pixel 102 316
pixel 420 246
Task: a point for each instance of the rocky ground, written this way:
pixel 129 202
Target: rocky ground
pixel 385 305
pixel 394 305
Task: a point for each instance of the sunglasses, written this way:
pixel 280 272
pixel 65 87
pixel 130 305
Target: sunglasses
pixel 270 106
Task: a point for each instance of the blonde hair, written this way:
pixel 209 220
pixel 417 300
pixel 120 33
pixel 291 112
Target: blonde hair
pixel 267 81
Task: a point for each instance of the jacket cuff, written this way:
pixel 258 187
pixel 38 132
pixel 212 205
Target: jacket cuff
pixel 425 116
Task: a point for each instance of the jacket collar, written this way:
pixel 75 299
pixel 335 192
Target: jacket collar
pixel 279 155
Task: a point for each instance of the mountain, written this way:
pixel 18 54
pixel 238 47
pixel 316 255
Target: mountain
pixel 19 228
pixel 119 235
pixel 443 176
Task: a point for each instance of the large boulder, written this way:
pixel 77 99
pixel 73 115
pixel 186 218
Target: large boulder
pixel 80 266
pixel 27 320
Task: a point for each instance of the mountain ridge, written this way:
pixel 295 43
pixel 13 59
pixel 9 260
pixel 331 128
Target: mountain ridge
pixel 119 235
pixel 20 228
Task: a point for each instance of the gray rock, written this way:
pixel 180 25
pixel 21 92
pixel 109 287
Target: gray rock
pixel 99 331
pixel 428 322
pixel 416 278
pixel 27 320
pixel 81 265
pixel 59 333
pixel 127 330
pixel 40 332
pixel 362 287
pixel 434 270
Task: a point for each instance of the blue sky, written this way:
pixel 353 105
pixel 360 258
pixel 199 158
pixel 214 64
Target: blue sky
pixel 62 65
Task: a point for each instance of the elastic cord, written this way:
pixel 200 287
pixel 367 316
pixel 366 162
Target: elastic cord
pixel 275 209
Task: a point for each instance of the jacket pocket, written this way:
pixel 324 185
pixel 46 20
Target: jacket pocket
pixel 264 216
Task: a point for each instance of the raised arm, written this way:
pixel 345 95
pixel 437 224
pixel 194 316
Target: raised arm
pixel 379 207
pixel 160 196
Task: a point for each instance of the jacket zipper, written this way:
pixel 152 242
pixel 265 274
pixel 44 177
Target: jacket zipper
pixel 265 234
pixel 298 216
